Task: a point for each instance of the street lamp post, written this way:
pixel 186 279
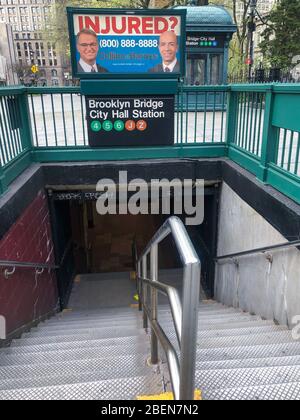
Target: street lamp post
pixel 251 30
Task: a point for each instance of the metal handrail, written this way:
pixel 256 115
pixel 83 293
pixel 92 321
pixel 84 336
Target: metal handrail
pixel 259 250
pixel 37 266
pixel 28 265
pixel 185 314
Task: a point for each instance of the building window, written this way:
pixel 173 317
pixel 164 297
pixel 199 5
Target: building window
pixel 54 73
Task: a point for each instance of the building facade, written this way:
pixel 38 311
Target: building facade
pixel 262 6
pixel 27 19
pixel 8 74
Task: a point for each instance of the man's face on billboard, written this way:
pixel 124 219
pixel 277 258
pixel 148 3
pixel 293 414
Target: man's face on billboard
pixel 88 48
pixel 168 47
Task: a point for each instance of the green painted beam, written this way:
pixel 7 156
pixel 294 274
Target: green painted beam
pixel 251 88
pixel 286 112
pixel 17 166
pixel 285 182
pixel 244 159
pixel 12 90
pixel 129 87
pixel 3 181
pixel 118 154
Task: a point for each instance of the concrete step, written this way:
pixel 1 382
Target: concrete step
pixel 98 322
pixel 281 392
pixel 89 344
pixel 211 342
pixel 132 317
pixel 249 352
pixel 75 360
pixel 249 363
pixel 97 348
pixel 27 349
pixel 86 371
pixel 237 332
pixel 97 318
pixel 233 318
pixel 41 332
pixel 215 321
pixel 203 342
pixel 246 340
pixel 57 329
pixel 238 378
pixel 92 335
pixel 236 325
pixel 127 311
pixel 115 389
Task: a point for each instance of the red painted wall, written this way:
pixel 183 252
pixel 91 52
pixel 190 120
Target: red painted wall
pixel 25 297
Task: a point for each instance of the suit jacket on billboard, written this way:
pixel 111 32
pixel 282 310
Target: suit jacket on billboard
pixel 159 68
pixel 100 69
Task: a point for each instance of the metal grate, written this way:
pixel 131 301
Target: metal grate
pixel 84 371
pixel 63 355
pixel 117 389
pixel 233 378
pixel 289 391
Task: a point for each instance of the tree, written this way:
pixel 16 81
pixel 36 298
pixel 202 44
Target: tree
pixel 282 35
pixel 25 74
pixel 194 2
pixel 238 50
pixel 56 30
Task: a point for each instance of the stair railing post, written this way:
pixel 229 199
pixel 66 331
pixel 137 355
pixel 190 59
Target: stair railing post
pixel 154 277
pixel 139 282
pixel 190 306
pixel 144 291
pixel 232 120
pixel 3 183
pixel 270 137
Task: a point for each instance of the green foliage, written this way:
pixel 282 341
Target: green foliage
pixel 282 35
pixel 56 31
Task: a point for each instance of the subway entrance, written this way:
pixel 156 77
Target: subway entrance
pixel 93 246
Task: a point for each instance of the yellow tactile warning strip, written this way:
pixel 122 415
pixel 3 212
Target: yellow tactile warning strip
pixel 65 311
pixel 168 396
pixel 132 275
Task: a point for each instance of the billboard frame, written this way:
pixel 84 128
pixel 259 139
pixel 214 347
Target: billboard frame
pixel 71 11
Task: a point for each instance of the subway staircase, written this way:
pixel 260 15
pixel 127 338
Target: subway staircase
pixel 103 354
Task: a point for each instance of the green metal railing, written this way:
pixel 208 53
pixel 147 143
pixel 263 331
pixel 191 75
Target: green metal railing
pixel 250 114
pixel 289 150
pixel 58 117
pixel 15 136
pixel 256 126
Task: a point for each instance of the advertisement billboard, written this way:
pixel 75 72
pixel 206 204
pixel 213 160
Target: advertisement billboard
pixel 109 43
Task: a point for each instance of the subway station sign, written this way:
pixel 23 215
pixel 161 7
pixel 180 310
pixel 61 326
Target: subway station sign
pixel 130 121
pixel 198 40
